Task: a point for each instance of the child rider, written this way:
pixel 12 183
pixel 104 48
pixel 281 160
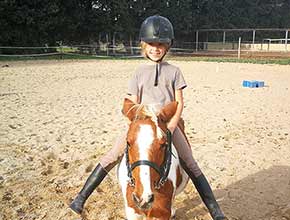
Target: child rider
pixel 156 82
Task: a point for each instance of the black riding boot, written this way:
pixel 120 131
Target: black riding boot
pixel 207 197
pixel 205 192
pixel 92 182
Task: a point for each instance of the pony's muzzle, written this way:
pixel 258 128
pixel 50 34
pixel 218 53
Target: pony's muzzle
pixel 143 203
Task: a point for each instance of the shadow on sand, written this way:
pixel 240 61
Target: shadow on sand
pixel 262 196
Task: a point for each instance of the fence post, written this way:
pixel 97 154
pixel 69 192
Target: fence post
pixel 253 42
pixel 286 40
pixel 61 49
pixel 239 48
pixel 107 39
pixel 131 46
pixel 224 40
pixel 114 43
pixel 196 41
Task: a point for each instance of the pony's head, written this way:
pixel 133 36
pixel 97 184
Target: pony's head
pixel 146 149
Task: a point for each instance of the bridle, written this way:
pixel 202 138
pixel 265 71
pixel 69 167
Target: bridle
pixel 162 170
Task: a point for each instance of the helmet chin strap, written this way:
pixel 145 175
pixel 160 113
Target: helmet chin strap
pixel 157 67
pixel 156 73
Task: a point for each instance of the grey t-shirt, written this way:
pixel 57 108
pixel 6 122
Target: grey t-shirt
pixel 170 79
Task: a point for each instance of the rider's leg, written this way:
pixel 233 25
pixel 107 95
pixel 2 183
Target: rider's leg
pixel 107 162
pixel 193 171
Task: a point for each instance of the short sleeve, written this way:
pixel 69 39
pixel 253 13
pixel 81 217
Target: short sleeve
pixel 133 85
pixel 179 82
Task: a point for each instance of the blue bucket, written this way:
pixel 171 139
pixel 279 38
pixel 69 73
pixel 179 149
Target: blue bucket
pixel 253 84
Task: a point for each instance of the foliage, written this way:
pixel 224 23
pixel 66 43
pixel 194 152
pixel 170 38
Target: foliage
pixel 51 22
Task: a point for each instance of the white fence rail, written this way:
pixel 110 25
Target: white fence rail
pixel 120 50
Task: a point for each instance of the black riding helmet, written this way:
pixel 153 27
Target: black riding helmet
pixel 156 29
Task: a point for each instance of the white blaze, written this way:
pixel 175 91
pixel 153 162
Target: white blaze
pixel 145 139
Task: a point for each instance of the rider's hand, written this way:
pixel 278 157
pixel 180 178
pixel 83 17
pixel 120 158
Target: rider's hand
pixel 171 127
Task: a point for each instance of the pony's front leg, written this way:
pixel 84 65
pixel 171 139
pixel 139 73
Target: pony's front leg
pixel 162 218
pixel 173 212
pixel 132 215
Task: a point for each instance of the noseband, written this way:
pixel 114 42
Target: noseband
pixel 162 170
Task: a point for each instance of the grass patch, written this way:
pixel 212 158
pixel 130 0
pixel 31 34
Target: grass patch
pixel 280 61
pixel 64 57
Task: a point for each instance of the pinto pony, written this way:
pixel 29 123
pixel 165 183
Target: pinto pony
pixel 150 174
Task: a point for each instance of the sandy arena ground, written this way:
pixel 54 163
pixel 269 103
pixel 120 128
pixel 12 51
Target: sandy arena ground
pixel 58 117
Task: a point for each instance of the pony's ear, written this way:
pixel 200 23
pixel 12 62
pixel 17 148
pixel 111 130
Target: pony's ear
pixel 168 111
pixel 128 109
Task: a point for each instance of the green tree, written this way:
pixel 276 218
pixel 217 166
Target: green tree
pixel 39 22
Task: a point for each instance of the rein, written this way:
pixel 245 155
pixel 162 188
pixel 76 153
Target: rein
pixel 162 170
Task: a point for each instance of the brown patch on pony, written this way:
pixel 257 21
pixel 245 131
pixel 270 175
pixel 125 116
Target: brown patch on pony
pixel 163 201
pixel 129 193
pixel 133 157
pixel 157 151
pixel 168 111
pixel 138 189
pixel 129 109
pixel 161 208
